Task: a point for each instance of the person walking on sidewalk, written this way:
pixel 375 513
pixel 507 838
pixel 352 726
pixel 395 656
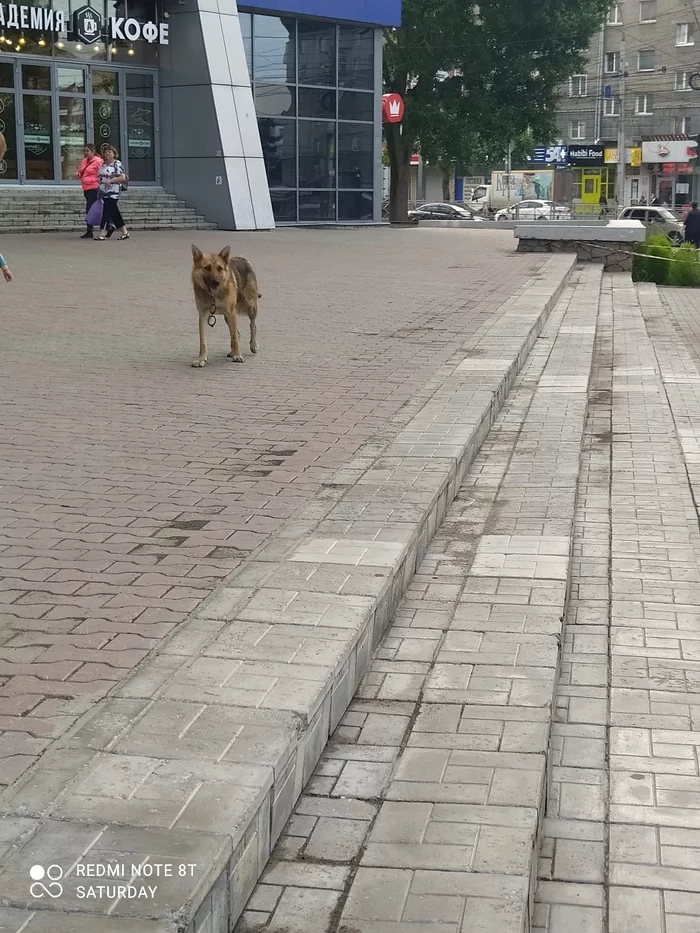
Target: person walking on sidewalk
pixel 692 225
pixel 111 176
pixel 87 173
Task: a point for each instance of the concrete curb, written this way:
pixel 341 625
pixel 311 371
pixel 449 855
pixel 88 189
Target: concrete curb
pixel 201 755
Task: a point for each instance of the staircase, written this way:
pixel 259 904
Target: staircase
pixel 27 209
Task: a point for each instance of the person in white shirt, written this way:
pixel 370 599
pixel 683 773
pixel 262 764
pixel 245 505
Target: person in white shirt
pixel 111 176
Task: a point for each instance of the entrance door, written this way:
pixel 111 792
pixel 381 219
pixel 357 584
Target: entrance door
pixel 9 166
pixel 49 109
pixel 72 118
pixel 37 122
pixel 590 186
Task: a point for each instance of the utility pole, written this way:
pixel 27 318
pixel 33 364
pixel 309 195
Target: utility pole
pixel 622 142
pixel 509 166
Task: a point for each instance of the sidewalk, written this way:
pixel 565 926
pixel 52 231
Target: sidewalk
pixel 423 814
pixel 198 757
pixel 454 690
pixel 132 487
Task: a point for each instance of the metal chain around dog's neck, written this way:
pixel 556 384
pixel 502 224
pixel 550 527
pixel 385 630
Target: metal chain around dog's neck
pixel 211 320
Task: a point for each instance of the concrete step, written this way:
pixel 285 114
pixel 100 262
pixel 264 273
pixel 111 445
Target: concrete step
pixel 303 701
pixel 34 210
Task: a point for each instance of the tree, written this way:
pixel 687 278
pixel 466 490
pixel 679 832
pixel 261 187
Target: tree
pixel 474 78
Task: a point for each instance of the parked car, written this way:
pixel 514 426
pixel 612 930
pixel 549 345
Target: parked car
pixel 442 212
pixel 534 210
pixel 657 220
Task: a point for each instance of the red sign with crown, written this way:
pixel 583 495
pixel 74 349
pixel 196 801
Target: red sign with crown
pixel 392 108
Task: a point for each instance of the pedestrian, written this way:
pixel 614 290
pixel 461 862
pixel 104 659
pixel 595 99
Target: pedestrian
pixel 111 177
pixel 5 269
pixel 87 173
pixel 692 225
pixel 654 201
pixel 3 262
pixel 603 206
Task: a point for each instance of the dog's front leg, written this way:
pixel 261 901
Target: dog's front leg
pixel 235 353
pixel 202 358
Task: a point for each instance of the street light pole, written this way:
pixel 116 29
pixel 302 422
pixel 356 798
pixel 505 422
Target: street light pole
pixel 622 142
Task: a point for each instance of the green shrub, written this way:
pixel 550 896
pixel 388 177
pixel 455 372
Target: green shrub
pixel 685 271
pixel 651 262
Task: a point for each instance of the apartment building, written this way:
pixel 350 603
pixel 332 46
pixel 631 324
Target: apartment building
pixel 642 61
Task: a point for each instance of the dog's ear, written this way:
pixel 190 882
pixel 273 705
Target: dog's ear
pixel 225 253
pixel 196 253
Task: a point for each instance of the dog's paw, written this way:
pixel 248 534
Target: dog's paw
pixel 197 364
pixel 235 359
pixel 254 347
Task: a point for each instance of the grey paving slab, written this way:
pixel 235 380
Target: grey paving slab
pixel 461 705
pixel 632 833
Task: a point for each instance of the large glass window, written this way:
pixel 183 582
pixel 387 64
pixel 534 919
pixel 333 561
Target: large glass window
pixel 274 57
pixel 316 53
pixel 316 154
pixel 315 99
pixel 279 146
pixel 140 140
pixel 356 57
pixel 8 165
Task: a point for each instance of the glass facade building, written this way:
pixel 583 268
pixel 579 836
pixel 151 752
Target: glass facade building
pixel 267 114
pixel 317 107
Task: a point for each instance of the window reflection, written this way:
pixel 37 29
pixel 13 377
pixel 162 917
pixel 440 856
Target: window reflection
pixel 279 145
pixel 356 57
pixel 274 61
pixel 316 53
pixel 355 155
pixel 275 100
pixel 316 154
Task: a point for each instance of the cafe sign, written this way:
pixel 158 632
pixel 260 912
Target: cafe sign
pixel 87 25
pixel 587 155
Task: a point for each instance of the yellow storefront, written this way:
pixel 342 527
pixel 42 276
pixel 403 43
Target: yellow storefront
pixel 594 181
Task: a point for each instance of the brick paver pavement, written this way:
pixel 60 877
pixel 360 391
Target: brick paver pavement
pixel 131 484
pixel 422 814
pixel 621 847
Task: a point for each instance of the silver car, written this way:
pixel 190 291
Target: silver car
pixel 535 210
pixel 656 220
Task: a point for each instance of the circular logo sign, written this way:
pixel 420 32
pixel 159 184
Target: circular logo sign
pixel 105 111
pixel 104 131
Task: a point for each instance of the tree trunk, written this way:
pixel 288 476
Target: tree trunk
pixel 399 148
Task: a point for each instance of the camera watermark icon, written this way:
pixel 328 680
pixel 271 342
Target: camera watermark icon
pixel 52 888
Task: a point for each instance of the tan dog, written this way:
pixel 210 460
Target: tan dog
pixel 224 284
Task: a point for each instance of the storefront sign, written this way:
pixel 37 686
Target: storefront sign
pixel 392 108
pixel 586 155
pixel 87 24
pixel 550 155
pixel 671 150
pixel 634 157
